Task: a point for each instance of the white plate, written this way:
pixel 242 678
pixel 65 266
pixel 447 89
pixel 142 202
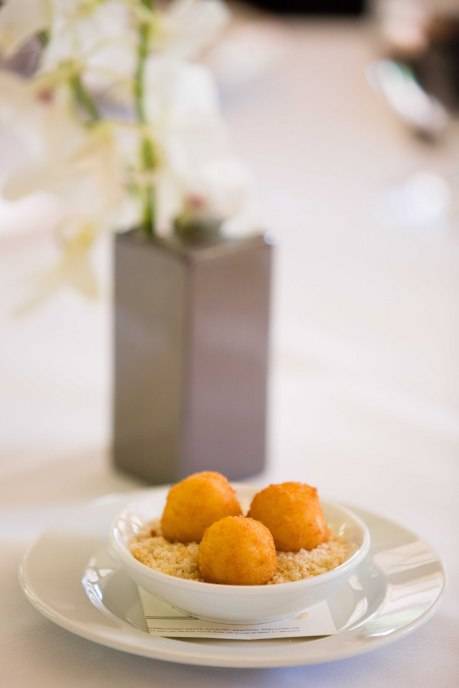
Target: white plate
pixel 70 577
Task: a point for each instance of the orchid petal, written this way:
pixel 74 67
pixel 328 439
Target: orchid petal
pixel 182 110
pixel 52 153
pixel 101 39
pixel 179 91
pixel 190 26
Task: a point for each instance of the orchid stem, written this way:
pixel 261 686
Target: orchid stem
pixel 80 93
pixel 83 98
pixel 147 151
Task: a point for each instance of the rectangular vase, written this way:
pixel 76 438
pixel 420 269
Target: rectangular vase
pixel 191 345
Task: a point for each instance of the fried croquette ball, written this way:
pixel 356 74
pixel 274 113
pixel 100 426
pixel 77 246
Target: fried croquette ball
pixel 293 514
pixel 237 551
pixel 193 504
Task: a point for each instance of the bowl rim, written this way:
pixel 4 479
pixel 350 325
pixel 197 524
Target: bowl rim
pixel 126 558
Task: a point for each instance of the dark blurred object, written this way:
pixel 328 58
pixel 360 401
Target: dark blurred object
pixel 428 43
pixel 438 65
pixel 317 7
pixel 25 61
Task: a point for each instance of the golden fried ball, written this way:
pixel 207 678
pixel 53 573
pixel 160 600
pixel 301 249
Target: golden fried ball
pixel 293 514
pixel 195 503
pixel 237 551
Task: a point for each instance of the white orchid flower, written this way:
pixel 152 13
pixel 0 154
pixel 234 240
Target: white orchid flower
pixel 98 37
pixel 197 169
pixel 73 269
pixel 102 37
pixel 218 187
pixel 45 150
pixel 187 27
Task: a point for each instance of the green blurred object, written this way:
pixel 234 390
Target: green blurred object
pixel 203 231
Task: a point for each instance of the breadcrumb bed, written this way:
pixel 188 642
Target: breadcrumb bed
pixel 176 559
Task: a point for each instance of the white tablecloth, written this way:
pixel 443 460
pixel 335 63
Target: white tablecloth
pixel 365 384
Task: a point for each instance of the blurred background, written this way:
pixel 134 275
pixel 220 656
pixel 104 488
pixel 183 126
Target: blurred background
pixel 345 113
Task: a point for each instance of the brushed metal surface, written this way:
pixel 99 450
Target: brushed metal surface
pixel 191 352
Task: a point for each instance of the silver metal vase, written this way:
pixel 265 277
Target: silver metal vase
pixel 191 352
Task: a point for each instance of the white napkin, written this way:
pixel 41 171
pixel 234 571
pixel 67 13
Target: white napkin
pixel 164 620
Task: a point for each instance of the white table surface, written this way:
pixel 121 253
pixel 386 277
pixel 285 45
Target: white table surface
pixel 365 384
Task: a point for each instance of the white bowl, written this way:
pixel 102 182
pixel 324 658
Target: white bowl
pixel 237 603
